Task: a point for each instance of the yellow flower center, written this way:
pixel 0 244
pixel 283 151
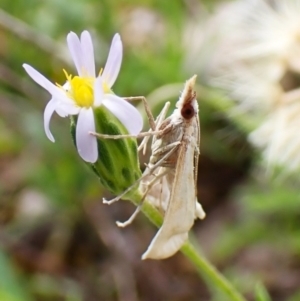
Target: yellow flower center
pixel 81 89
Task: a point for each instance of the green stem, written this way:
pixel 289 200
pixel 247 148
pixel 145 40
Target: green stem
pixel 203 267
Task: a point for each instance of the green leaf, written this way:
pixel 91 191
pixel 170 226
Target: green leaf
pixel 261 293
pixel 11 286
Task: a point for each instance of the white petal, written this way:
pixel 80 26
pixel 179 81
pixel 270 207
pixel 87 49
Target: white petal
pixel 76 51
pixel 98 92
pixel 61 112
pixel 86 143
pixel 65 109
pixel 55 91
pixel 36 76
pixel 66 86
pixel 114 60
pixel 125 112
pixel 59 94
pixel 50 108
pixel 88 53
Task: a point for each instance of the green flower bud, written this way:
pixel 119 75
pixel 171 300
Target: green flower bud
pixel 117 166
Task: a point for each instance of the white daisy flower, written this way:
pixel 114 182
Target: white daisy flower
pixel 251 50
pixel 245 37
pixel 82 93
pixel 277 136
pixel 272 30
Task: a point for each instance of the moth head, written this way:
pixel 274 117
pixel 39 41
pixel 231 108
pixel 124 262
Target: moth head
pixel 187 103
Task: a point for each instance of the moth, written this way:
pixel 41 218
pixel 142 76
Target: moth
pixel 173 167
pixel 178 146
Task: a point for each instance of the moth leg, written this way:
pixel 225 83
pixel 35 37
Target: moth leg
pixel 138 208
pixel 144 135
pixel 147 109
pixel 162 114
pixel 146 173
pixel 140 135
pixel 160 118
pixel 165 149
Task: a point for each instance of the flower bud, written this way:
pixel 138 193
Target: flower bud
pixel 117 166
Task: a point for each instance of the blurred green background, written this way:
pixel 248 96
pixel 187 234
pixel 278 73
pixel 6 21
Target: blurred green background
pixel 57 240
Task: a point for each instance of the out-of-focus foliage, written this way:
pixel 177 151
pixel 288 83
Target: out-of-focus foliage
pixel 57 240
pixel 12 287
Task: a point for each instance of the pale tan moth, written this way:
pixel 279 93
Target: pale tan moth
pixel 173 165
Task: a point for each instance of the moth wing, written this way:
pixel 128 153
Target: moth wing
pixel 159 194
pixel 199 210
pixel 164 244
pixel 181 211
